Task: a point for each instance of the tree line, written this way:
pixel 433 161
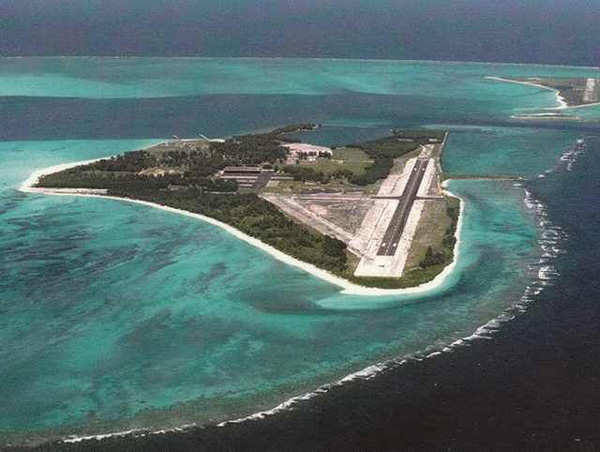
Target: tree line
pixel 383 151
pixel 257 218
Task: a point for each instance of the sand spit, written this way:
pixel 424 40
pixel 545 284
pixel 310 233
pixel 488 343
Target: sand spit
pixel 346 286
pixel 561 100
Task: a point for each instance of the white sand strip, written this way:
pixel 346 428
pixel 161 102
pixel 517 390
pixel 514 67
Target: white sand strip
pixel 562 104
pixel 348 287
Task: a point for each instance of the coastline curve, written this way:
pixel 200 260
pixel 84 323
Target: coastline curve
pixel 348 288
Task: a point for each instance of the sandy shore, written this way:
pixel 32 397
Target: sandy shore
pixel 561 100
pixel 595 104
pixel 348 287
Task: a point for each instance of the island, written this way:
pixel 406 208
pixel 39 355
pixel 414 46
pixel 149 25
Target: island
pixel 372 214
pixel 571 93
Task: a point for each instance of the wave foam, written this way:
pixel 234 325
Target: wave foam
pixel 569 157
pixel 544 273
pixel 551 241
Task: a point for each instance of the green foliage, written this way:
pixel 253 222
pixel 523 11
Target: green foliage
pixel 249 150
pixel 291 129
pixel 342 174
pixel 82 177
pixel 257 218
pixel 306 173
pixel 449 239
pixel 432 258
pixel 384 150
pixel 130 161
pixel 420 134
pixel 193 169
pixel 185 181
pixel 436 258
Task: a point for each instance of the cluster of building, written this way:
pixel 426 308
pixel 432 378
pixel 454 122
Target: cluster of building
pixel 257 177
pixel 299 153
pixel 251 177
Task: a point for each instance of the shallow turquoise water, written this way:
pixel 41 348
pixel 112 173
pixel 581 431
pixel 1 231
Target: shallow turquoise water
pixel 127 316
pixel 509 151
pixel 162 77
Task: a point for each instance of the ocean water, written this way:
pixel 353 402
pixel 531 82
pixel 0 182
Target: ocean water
pixel 561 32
pixel 117 316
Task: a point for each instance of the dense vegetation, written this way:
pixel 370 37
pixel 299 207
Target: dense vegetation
pixel 257 218
pixel 291 128
pixel 190 166
pixel 182 176
pixel 384 150
pixel 307 173
pixel 441 257
pixel 78 178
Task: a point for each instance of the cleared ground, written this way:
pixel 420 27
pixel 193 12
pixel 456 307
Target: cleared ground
pixel 350 159
pixel 291 187
pixel 346 213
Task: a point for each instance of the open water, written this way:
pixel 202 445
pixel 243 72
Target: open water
pixel 117 316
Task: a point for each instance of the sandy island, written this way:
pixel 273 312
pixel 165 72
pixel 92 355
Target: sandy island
pixel 348 287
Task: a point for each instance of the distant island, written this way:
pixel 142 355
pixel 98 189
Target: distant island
pixel 373 214
pixel 570 93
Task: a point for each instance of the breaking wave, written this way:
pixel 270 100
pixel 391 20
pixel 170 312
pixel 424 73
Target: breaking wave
pixel 568 159
pixel 551 240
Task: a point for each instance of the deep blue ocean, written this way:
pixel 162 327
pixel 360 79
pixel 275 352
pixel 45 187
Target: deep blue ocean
pixel 513 31
pixel 117 317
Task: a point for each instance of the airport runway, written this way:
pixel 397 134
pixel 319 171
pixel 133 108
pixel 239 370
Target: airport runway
pixel 392 235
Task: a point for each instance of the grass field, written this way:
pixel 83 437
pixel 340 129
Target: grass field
pixel 351 159
pixel 432 227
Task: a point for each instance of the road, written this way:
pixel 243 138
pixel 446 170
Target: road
pixel 392 235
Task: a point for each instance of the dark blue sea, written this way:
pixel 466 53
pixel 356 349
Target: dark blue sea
pixel 512 31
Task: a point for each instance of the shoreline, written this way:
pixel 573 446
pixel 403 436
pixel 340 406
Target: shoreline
pixel 482 332
pixel 561 100
pixel 348 288
pixel 564 105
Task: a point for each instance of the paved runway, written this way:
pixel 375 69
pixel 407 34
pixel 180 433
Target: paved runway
pixel 392 235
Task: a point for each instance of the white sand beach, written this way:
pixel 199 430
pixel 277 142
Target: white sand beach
pixel 562 104
pixel 349 288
